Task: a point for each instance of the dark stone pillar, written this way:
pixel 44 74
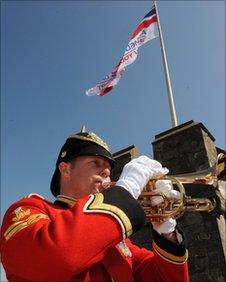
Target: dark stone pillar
pixel 185 149
pixel 205 236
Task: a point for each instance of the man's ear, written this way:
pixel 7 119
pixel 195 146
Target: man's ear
pixel 64 168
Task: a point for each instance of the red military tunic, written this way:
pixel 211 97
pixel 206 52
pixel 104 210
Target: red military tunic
pixel 85 240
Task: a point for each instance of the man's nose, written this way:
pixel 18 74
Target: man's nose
pixel 105 173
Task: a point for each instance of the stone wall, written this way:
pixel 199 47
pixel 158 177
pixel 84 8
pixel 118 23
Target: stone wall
pixel 190 148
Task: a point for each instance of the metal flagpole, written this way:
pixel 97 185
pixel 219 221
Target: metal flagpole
pixel 166 72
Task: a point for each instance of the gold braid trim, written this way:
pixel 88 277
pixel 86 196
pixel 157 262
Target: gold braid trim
pixel 18 226
pixel 169 257
pixel 96 204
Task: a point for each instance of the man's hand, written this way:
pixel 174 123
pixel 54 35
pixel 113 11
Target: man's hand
pixel 166 228
pixel 136 174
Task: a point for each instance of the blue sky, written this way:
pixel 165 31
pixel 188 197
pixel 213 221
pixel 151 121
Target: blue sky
pixel 52 51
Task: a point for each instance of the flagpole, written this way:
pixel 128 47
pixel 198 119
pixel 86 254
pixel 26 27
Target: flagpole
pixel 166 72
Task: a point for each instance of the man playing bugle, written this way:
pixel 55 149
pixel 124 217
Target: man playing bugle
pixel 84 234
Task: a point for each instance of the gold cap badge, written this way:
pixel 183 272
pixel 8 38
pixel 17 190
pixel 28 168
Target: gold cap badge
pixel 91 137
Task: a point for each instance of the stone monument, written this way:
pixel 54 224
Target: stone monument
pixel 190 148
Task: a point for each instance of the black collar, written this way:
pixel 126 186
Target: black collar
pixel 64 201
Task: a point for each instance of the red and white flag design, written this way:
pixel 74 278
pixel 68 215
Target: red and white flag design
pixel 145 31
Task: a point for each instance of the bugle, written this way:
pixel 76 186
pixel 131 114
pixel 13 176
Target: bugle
pixel 171 207
pixel 176 208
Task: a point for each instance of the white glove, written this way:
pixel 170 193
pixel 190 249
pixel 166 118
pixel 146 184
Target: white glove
pixel 136 174
pixel 165 227
pixel 165 187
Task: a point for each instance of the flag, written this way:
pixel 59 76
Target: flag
pixel 145 31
